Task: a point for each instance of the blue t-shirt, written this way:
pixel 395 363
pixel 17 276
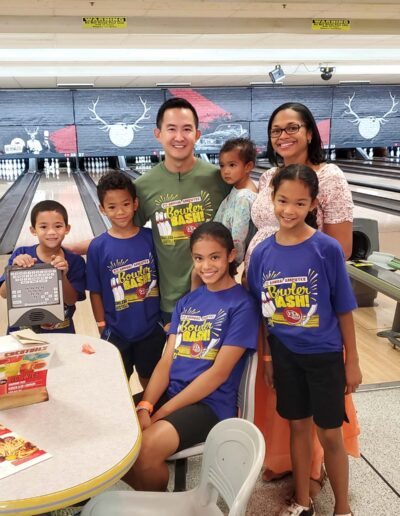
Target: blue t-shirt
pixel 203 321
pixel 75 275
pixel 124 272
pixel 301 289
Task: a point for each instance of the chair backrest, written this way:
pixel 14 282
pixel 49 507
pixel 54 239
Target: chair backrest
pixel 232 460
pixel 246 393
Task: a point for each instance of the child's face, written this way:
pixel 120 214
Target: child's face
pixel 120 208
pixel 233 170
pixel 50 229
pixel 292 202
pixel 211 262
pixel 178 133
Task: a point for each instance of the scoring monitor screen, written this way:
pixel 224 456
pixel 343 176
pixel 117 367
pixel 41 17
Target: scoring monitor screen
pixel 33 286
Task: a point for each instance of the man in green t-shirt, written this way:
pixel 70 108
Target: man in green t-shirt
pixel 177 195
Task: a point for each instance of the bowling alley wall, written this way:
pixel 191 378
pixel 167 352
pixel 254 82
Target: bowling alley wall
pixel 107 122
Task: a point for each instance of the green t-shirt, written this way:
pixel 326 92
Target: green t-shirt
pixel 176 204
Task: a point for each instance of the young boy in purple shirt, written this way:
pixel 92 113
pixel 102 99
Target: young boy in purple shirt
pixel 49 222
pixel 122 280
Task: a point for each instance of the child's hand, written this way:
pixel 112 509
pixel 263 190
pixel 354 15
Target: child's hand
pixel 144 419
pixel 269 374
pixel 60 263
pixel 24 260
pixel 353 376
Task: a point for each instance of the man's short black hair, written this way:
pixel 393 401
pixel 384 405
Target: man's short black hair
pixel 115 181
pixel 176 103
pixel 48 206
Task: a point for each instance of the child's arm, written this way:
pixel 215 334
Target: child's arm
pixel 22 260
pixel 69 293
pixel 98 308
pixel 266 356
pixel 158 382
pixel 240 226
pixel 206 383
pixel 78 247
pixel 352 367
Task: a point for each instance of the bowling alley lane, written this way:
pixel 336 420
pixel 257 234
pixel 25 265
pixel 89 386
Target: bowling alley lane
pixel 64 190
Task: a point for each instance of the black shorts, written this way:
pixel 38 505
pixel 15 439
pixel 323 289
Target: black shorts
pixel 192 423
pixel 309 385
pixel 141 354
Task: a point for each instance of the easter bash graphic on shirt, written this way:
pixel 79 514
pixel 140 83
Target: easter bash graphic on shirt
pixel 199 335
pixel 290 300
pixel 176 219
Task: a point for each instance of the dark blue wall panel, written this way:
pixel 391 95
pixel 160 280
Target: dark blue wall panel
pixel 114 132
pixel 224 113
pixel 39 122
pixel 317 98
pixel 217 105
pixel 361 116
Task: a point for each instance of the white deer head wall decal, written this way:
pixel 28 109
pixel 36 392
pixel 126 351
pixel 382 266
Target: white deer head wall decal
pixel 369 126
pixel 120 134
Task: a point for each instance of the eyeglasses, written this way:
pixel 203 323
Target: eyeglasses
pixel 290 129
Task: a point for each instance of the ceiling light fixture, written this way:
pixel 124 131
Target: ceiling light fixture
pixel 75 85
pixel 172 84
pixel 351 83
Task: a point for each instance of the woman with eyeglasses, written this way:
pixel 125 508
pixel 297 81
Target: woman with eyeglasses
pixel 293 138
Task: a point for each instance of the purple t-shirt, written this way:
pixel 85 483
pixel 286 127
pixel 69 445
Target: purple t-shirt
pixel 301 289
pixel 203 322
pixel 124 272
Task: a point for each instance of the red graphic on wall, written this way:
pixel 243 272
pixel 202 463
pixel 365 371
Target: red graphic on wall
pixel 324 127
pixel 206 109
pixel 64 140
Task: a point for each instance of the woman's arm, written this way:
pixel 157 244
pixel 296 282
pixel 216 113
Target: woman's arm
pixel 205 383
pixel 343 233
pixel 336 204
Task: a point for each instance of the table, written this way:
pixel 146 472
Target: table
pixel 89 425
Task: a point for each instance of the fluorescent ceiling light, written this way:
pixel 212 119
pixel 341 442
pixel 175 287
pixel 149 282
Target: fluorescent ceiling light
pixel 353 82
pixel 75 85
pixel 259 55
pixel 260 83
pixel 172 84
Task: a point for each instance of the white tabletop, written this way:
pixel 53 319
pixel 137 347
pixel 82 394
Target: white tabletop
pixel 89 426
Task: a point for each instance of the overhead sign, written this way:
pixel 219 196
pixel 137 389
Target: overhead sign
pixel 104 22
pixel 330 24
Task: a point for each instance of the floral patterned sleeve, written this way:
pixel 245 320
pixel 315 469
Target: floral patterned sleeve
pixel 262 214
pixel 335 200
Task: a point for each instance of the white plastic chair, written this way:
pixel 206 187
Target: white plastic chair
pixel 232 459
pixel 245 403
